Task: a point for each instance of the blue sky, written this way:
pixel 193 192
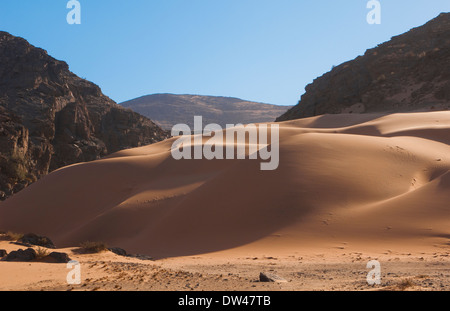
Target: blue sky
pixel 261 50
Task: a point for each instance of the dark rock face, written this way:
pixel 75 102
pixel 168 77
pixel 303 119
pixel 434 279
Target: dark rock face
pixel 3 253
pixel 50 118
pixel 21 255
pixel 33 239
pixel 411 72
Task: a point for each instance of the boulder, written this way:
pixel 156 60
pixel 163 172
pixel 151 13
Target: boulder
pixel 56 257
pixel 37 240
pixel 21 255
pixel 118 251
pixel 269 277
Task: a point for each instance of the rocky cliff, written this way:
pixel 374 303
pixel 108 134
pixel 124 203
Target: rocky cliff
pixel 51 118
pixel 411 72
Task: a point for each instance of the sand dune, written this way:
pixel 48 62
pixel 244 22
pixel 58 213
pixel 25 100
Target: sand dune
pixel 374 181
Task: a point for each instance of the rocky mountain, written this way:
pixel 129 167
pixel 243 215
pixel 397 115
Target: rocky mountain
pixel 51 118
pixel 411 72
pixel 169 109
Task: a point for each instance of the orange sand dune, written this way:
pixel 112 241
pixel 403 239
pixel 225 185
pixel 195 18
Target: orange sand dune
pixel 365 180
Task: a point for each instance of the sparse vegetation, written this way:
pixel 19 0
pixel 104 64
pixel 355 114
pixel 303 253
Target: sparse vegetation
pixel 381 78
pixel 93 247
pixel 41 253
pixel 422 54
pixel 13 236
pixel 16 168
pixel 405 284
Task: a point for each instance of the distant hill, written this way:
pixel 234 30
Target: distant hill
pixel 50 118
pixel 411 72
pixel 169 109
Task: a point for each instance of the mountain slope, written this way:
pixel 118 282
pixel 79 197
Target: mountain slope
pixel 51 118
pixel 169 109
pixel 411 72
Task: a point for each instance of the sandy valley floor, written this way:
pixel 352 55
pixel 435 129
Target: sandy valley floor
pixel 336 271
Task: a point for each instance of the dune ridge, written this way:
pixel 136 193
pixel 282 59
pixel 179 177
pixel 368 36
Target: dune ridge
pixel 372 180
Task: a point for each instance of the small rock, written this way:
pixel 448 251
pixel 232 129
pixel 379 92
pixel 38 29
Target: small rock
pixel 118 251
pixel 21 255
pixel 140 257
pixel 269 277
pixel 56 257
pixel 3 253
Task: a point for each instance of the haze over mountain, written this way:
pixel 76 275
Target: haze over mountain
pixel 411 72
pixel 51 118
pixel 170 109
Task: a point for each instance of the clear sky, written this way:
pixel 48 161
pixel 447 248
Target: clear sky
pixel 260 50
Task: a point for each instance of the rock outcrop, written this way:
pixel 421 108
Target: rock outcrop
pixel 34 239
pixel 411 72
pixel 21 255
pixel 50 118
pixel 56 257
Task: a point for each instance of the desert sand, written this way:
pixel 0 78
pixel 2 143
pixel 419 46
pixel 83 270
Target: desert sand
pixel 348 189
pixel 311 270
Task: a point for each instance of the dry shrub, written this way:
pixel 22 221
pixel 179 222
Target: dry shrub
pixel 13 236
pixel 404 284
pixel 93 247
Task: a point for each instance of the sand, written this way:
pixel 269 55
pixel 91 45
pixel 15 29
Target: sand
pixel 312 270
pixel 347 187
